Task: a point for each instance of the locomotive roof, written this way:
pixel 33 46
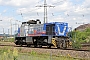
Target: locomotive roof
pixel 30 22
pixel 57 23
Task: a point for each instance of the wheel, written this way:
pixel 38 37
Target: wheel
pixel 28 45
pixel 17 43
pixel 58 47
pixel 35 44
pixel 49 46
pixel 40 46
pixel 64 45
pixel 21 45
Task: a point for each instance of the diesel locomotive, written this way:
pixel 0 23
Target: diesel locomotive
pixel 33 33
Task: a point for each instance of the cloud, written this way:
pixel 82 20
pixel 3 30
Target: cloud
pixel 70 11
pixel 86 3
pixel 19 3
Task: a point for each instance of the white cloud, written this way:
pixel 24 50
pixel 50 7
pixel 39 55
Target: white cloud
pixel 86 3
pixel 4 11
pixel 19 3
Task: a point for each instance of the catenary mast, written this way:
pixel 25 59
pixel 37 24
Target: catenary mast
pixel 45 10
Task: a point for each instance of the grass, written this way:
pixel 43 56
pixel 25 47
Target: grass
pixel 7 39
pixel 7 54
pixel 43 57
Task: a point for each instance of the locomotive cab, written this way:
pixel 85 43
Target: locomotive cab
pixel 50 29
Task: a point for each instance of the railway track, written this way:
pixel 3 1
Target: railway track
pixel 85 54
pixel 84 48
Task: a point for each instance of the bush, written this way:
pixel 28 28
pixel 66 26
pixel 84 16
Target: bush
pixel 79 37
pixel 76 45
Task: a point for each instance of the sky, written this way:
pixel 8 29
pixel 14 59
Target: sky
pixel 13 12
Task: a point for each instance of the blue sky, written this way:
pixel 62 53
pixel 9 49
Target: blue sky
pixel 70 11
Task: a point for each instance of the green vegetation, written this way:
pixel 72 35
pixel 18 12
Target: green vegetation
pixel 7 39
pixel 79 37
pixel 7 54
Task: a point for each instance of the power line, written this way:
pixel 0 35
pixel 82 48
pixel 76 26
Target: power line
pixel 21 15
pixel 28 11
pixel 45 10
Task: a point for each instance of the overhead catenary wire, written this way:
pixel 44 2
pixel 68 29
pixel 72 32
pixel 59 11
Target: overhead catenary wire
pixel 83 15
pixel 51 13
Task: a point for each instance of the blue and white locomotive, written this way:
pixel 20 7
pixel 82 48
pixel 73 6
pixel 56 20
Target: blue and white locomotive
pixel 33 33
